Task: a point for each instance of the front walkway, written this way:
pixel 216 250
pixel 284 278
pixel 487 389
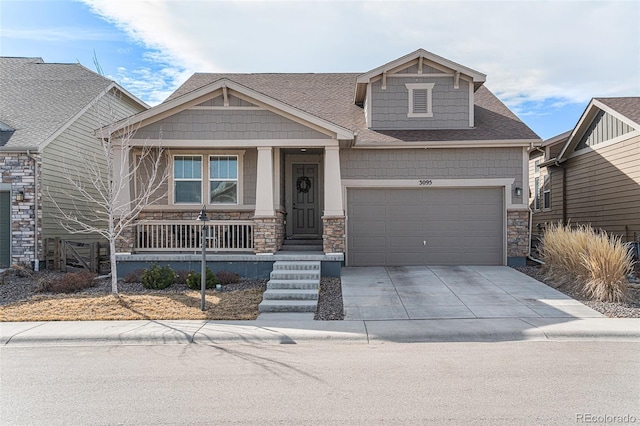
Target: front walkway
pixel 442 292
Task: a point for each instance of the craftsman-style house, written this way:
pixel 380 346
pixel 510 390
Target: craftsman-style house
pixel 413 162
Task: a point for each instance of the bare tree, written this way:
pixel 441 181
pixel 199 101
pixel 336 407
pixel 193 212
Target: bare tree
pixel 104 202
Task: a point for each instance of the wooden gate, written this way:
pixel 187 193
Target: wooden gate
pixel 61 253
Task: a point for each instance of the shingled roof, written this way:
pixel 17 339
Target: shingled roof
pixel 629 106
pixel 39 98
pixel 330 96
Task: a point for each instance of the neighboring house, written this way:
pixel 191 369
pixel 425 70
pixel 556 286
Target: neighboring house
pixel 591 174
pixel 48 115
pixel 414 162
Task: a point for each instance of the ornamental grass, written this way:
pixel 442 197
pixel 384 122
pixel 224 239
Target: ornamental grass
pixel 591 262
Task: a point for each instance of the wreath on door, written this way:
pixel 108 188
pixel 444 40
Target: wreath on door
pixel 303 184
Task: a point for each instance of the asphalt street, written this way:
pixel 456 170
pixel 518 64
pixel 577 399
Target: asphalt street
pixel 527 382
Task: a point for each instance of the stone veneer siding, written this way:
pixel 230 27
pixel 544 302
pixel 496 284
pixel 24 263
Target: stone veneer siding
pixel 517 233
pixel 268 233
pixel 18 170
pixel 333 234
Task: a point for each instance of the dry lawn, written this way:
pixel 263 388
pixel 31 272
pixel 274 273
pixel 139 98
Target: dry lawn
pixel 233 305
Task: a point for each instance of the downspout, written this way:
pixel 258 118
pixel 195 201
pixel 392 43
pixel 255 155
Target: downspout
pixel 529 256
pixel 36 260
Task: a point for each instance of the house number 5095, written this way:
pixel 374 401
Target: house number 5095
pixel 424 182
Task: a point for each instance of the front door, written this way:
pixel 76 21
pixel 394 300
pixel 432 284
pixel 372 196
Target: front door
pixel 305 215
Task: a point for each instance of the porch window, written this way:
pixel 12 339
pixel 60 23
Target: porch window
pixel 223 179
pixel 187 179
pixel 420 104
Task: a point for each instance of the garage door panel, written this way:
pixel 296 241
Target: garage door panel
pixel 460 225
pixel 410 243
pixel 404 259
pixel 368 227
pixel 405 227
pixel 370 244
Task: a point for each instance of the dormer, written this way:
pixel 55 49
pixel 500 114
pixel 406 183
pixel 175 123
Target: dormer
pixel 419 91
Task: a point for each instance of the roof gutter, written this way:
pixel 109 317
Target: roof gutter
pixel 20 149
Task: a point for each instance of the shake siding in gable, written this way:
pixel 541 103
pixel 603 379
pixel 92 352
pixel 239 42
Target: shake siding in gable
pixel 603 188
pixel 227 125
pixel 390 106
pixel 65 156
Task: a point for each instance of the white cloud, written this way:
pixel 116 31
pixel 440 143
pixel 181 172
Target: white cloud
pixel 530 51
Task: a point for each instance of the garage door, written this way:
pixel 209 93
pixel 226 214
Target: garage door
pixel 434 226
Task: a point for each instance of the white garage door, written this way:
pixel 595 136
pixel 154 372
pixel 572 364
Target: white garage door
pixel 434 226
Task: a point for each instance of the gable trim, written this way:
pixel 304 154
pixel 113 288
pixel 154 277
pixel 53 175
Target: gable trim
pixel 587 117
pixel 204 93
pixel 598 147
pixel 90 105
pixel 421 53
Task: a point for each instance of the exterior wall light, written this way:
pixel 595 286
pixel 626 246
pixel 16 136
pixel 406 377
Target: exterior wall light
pixel 20 196
pixel 518 191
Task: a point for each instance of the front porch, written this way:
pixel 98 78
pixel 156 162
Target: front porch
pixel 283 194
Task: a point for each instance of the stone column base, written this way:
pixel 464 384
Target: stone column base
pixel 268 233
pixel 333 233
pixel 517 236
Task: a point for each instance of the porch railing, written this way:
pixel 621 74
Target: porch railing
pixel 185 236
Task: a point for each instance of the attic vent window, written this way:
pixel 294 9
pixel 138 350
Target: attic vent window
pixel 420 104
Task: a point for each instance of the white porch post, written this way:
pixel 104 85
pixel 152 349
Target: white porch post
pixel 264 183
pixel 332 182
pixel 121 168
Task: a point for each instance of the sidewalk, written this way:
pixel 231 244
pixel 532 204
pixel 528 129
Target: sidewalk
pixel 83 333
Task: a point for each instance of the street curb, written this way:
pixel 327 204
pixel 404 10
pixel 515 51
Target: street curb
pixel 69 333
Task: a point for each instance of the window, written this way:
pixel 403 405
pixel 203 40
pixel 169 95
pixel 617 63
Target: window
pixel 536 197
pixel 546 192
pixel 187 179
pixel 420 104
pixel 223 179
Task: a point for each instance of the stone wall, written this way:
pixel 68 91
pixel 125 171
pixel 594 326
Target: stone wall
pixel 333 234
pixel 517 233
pixel 268 233
pixel 19 172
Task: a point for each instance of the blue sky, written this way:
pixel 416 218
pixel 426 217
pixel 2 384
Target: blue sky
pixel 544 59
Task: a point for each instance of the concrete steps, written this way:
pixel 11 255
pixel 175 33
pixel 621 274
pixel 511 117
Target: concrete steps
pixel 297 244
pixel 293 287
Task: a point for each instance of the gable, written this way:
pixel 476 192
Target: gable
pixel 605 121
pixel 256 116
pixel 239 120
pixel 603 128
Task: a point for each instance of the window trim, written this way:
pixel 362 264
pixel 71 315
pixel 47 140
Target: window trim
pixel 236 180
pixel 536 185
pixel 174 180
pixel 546 189
pixel 411 87
pixel 205 175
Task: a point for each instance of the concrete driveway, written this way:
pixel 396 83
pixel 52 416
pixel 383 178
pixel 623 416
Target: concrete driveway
pixel 438 292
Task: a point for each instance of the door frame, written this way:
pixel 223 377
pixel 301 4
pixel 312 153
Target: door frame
pixel 504 183
pixel 289 161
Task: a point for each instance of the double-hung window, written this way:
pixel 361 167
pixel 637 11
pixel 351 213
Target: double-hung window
pixel 536 185
pixel 223 179
pixel 546 192
pixel 187 179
